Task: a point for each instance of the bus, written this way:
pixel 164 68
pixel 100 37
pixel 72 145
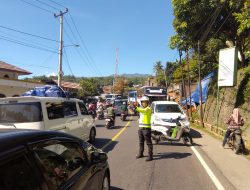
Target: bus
pixel 154 93
pixel 132 96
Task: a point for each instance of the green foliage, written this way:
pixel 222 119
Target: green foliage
pixel 159 73
pixel 89 87
pixel 212 22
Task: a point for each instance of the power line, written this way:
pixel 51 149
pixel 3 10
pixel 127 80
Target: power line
pixel 37 36
pixel 57 3
pixel 81 39
pixel 67 61
pixel 37 6
pixel 86 61
pixel 25 40
pixel 25 44
pixel 47 5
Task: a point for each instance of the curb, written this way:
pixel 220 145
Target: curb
pixel 219 131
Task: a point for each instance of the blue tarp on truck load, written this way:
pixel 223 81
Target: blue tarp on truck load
pixel 46 91
pixel 195 96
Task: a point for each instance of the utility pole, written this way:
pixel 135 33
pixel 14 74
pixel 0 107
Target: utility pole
pixel 200 90
pixel 189 89
pixel 182 78
pixel 59 80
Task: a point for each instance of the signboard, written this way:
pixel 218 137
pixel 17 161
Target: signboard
pixel 228 59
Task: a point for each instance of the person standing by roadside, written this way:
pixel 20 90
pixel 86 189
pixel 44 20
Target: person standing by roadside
pixel 144 131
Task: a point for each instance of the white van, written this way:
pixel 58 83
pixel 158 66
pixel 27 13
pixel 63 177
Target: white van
pixel 48 113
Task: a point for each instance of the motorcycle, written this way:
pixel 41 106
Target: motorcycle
pixel 123 115
pixel 235 141
pixel 172 133
pixel 110 122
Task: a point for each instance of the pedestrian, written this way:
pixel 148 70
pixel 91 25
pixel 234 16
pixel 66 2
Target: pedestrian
pixel 144 131
pixel 235 121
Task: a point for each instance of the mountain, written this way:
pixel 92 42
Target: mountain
pixel 135 75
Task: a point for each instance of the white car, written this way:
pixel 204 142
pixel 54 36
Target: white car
pixel 48 113
pixel 164 113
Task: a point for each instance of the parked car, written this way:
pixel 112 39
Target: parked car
pixel 48 113
pixel 42 160
pixel 117 105
pixel 165 113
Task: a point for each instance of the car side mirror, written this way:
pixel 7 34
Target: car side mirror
pixel 98 157
pixel 75 163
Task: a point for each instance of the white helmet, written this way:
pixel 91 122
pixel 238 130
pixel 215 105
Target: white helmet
pixel 144 99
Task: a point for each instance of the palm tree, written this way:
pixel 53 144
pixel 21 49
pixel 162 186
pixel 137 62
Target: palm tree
pixel 158 68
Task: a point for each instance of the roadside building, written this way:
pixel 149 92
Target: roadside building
pixel 10 84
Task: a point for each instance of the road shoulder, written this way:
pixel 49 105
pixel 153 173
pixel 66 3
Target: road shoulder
pixel 235 168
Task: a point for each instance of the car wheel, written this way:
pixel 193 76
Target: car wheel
pixel 106 183
pixel 92 135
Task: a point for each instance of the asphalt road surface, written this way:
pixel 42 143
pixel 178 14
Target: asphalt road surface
pixel 175 166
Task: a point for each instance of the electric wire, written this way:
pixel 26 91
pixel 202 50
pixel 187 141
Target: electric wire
pixel 47 5
pixel 81 39
pixel 67 61
pixel 25 44
pixel 78 52
pixel 26 33
pixel 85 60
pixel 25 40
pixel 57 3
pixel 37 6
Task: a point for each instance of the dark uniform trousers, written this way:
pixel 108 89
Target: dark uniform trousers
pixel 145 135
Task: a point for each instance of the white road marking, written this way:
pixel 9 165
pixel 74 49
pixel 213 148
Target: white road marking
pixel 208 170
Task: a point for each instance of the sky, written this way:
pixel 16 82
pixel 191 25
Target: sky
pixel 140 30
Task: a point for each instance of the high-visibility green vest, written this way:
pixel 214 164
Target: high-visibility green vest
pixel 145 117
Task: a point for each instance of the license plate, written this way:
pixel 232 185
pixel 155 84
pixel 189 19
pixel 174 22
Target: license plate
pixel 107 119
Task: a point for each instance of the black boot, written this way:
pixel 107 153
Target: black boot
pixel 150 158
pixel 139 156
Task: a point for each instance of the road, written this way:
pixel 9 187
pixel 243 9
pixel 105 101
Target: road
pixel 175 166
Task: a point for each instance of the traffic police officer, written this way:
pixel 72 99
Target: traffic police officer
pixel 144 131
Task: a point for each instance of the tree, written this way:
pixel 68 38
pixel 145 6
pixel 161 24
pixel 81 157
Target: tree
pixel 89 87
pixel 222 20
pixel 159 73
pixel 120 86
pixel 169 70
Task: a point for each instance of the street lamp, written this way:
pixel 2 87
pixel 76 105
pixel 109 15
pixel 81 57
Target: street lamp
pixel 75 45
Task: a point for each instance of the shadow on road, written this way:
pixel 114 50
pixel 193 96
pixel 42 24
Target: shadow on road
pixel 108 144
pixel 115 188
pixel 100 142
pixel 175 155
pixel 100 125
pixel 195 134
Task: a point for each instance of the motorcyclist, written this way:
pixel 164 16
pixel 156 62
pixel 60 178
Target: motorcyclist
pixel 99 104
pixel 111 112
pixel 235 121
pixel 144 131
pixel 124 108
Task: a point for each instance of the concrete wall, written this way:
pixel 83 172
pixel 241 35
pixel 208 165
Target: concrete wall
pixel 12 75
pixel 16 87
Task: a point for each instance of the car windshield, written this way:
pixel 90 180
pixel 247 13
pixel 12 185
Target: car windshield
pixel 20 112
pixel 167 108
pixel 118 103
pixel 109 96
